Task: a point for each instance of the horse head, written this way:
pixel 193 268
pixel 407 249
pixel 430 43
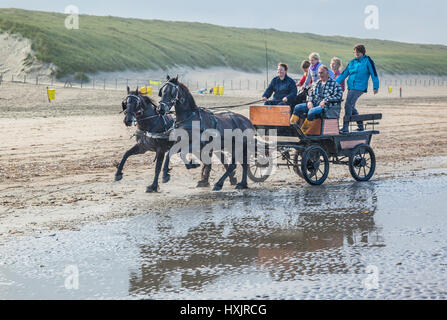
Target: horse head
pixel 175 94
pixel 138 107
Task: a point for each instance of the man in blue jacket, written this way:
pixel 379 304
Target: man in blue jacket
pixel 358 72
pixel 283 87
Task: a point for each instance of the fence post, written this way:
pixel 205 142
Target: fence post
pixel 116 84
pixel 206 84
pixel 240 84
pixel 24 79
pixel 52 80
pixel 37 80
pixel 81 82
pixel 93 83
pixel 104 84
pixel 231 84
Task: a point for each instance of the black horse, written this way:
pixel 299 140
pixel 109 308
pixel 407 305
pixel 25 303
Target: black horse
pixel 175 94
pixel 152 135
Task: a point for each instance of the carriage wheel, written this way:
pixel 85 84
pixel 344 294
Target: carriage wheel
pixel 297 164
pixel 362 162
pixel 260 169
pixel 315 165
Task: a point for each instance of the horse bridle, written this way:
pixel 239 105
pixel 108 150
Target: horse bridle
pixel 169 104
pixel 140 110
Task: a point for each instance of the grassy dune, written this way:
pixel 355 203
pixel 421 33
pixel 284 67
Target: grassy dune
pixel 113 44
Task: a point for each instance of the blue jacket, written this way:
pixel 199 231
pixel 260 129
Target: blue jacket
pixel 359 71
pixel 282 88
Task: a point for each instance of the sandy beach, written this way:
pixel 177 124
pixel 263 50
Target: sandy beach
pixel 58 159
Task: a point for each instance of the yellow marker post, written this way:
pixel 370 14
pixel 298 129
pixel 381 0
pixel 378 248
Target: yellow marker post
pixel 390 89
pixel 51 94
pixel 221 90
pixel 146 91
pixel 216 91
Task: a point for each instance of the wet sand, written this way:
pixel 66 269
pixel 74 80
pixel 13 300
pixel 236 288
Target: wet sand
pixel 59 205
pixel 378 240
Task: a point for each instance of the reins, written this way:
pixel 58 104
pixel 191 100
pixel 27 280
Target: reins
pixel 234 106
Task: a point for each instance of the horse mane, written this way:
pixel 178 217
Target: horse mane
pixel 189 98
pixel 148 100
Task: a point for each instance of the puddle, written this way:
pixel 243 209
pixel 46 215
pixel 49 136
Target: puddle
pixel 383 239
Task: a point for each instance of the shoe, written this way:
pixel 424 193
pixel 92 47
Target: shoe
pixel 343 131
pixel 294 119
pixel 359 129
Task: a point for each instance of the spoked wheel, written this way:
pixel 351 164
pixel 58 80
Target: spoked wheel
pixel 297 164
pixel 315 165
pixel 362 162
pixel 260 168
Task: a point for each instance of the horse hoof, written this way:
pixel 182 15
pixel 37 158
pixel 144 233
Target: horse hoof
pixel 192 165
pixel 166 178
pixel 151 189
pixel 241 186
pixel 203 184
pixel 233 181
pixel 217 187
pixel 118 177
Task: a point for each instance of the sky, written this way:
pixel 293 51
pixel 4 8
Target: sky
pixel 407 21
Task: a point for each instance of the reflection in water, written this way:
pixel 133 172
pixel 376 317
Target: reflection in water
pixel 287 235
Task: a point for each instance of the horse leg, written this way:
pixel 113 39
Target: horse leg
pixel 218 186
pixel 189 164
pixel 166 175
pixel 206 169
pixel 132 151
pixel 204 182
pixel 154 187
pixel 243 184
pixel 233 179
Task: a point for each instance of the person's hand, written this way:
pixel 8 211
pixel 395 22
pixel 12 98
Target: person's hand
pixel 284 99
pixel 264 99
pixel 376 91
pixel 310 105
pixel 322 104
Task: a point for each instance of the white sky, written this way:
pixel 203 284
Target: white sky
pixel 408 21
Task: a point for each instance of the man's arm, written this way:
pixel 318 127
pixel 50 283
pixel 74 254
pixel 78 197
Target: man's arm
pixel 269 91
pixel 312 96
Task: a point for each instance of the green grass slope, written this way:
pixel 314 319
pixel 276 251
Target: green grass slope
pixel 113 44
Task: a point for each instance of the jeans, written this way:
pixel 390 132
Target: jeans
pixel 350 109
pixel 301 111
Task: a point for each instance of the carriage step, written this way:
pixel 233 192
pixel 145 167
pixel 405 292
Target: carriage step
pixel 366 117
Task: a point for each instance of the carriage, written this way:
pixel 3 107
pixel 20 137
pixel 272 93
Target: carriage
pixel 310 155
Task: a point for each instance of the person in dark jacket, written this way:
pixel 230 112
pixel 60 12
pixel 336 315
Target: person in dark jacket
pixel 282 87
pixel 358 72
